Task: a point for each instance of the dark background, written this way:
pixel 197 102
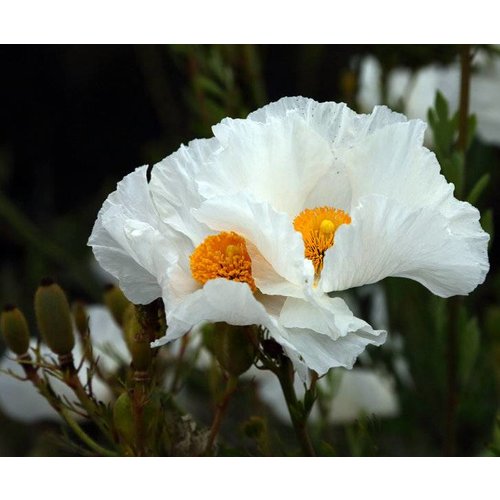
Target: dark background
pixel 76 119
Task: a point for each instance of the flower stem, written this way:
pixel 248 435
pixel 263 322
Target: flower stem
pixel 72 380
pixel 220 411
pixel 46 391
pixel 463 111
pixel 455 303
pixel 85 438
pixel 299 418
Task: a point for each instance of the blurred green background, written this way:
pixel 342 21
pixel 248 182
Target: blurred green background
pixel 76 119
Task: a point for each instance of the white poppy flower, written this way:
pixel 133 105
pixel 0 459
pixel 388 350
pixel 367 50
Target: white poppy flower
pixel 301 199
pixel 175 252
pixel 416 91
pixel 21 401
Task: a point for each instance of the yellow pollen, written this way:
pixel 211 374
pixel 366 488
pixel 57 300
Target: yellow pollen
pixel 223 255
pixel 232 250
pixel 318 226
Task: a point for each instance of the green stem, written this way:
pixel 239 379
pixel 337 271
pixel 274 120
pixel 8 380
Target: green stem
pixel 299 420
pixel 456 303
pixel 85 438
pixel 463 111
pixel 46 391
pixel 232 383
pixel 140 398
pixel 73 381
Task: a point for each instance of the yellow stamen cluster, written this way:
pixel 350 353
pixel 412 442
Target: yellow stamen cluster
pixel 318 226
pixel 223 255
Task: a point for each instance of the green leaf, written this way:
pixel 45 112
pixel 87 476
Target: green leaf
pixel 453 170
pixel 441 106
pixel 479 187
pixel 487 223
pixel 209 86
pixel 309 400
pixel 297 411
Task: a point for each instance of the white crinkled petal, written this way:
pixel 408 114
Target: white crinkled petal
pixel 340 126
pixel 320 352
pixel 280 249
pixel 278 162
pixel 385 238
pixel 325 332
pixel 219 300
pixel 174 188
pixel 392 162
pixel 128 239
pixel 177 284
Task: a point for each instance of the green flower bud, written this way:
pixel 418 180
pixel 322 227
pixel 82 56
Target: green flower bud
pixel 123 418
pixel 254 427
pixel 137 340
pixel 81 318
pixel 53 317
pixel 15 330
pixel 232 346
pixel 116 302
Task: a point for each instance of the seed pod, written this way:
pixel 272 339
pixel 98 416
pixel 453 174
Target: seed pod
pixel 137 341
pixel 81 318
pixel 53 317
pixel 116 302
pixel 15 330
pixel 232 346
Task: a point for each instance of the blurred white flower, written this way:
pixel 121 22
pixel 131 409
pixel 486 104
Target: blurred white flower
pixel 355 393
pixel 21 401
pixel 415 91
pixel 301 199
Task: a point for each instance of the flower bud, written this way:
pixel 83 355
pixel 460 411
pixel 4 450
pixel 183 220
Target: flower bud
pixel 123 418
pixel 137 340
pixel 15 330
pixel 81 318
pixel 53 317
pixel 232 346
pixel 116 302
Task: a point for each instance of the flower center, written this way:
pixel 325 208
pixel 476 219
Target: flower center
pixel 223 255
pixel 318 226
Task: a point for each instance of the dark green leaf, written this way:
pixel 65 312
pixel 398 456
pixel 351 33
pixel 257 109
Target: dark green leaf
pixel 487 223
pixel 478 189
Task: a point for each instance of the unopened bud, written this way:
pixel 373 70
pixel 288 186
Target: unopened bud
pixel 116 302
pixel 53 317
pixel 15 330
pixel 233 346
pixel 123 418
pixel 138 341
pixel 81 318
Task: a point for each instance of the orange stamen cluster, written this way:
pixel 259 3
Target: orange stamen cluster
pixel 223 255
pixel 318 226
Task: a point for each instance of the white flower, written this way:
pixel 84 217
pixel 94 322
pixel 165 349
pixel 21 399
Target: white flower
pixel 416 91
pixel 301 199
pixel 20 400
